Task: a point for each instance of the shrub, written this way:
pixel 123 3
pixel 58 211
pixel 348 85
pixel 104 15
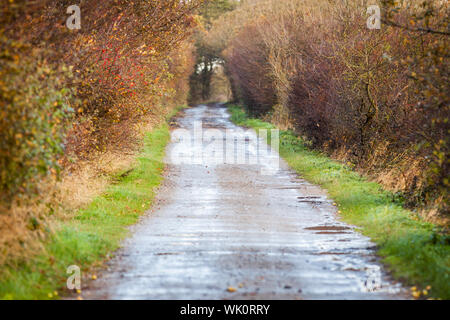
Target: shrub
pixel 34 113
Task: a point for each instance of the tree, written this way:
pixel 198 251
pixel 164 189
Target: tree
pixel 208 57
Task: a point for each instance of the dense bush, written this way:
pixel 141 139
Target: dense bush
pixel 66 93
pixel 377 98
pixel 34 112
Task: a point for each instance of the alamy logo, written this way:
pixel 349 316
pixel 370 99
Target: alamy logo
pixel 372 282
pixel 74 280
pixel 374 21
pixel 73 22
pixel 231 146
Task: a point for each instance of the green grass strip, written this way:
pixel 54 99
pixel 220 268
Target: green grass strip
pixel 413 250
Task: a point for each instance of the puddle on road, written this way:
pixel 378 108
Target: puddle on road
pixel 328 228
pixel 332 253
pixel 298 187
pixel 329 232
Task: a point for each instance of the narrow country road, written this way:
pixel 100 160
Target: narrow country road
pixel 214 226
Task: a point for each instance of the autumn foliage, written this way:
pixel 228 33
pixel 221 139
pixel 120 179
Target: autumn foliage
pixel 122 63
pixel 376 99
pixel 69 95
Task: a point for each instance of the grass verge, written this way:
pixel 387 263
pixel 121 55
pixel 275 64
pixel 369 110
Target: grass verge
pixel 413 250
pixel 95 231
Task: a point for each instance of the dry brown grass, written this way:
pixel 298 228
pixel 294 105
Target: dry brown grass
pixel 280 117
pixel 403 174
pixel 18 236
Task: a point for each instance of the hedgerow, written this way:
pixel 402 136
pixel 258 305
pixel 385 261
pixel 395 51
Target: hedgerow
pixel 68 95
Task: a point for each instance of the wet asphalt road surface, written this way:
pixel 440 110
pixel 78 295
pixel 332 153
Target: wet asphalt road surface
pixel 257 228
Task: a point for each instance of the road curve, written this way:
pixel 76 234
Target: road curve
pixel 214 226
